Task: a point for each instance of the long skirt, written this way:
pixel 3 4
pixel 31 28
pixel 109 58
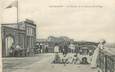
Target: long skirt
pixel 95 58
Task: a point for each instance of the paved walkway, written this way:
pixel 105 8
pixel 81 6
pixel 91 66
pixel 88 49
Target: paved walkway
pixel 43 64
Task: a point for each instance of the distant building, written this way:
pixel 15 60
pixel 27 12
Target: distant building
pixel 61 41
pixel 41 42
pixel 22 34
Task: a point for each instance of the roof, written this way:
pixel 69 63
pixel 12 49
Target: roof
pixel 29 22
pixel 11 25
pixel 41 40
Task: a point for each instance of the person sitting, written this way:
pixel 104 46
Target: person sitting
pixel 57 59
pixel 84 61
pixel 75 59
pixel 70 59
pixel 64 59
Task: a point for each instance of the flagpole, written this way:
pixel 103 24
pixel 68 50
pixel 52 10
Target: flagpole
pixel 18 21
pixel 15 4
pixel 17 13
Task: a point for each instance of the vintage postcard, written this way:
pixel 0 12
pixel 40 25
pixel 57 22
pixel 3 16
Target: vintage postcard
pixel 57 35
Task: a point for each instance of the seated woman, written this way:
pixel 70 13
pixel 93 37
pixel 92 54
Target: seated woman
pixel 70 59
pixel 75 59
pixel 84 61
pixel 57 58
pixel 64 59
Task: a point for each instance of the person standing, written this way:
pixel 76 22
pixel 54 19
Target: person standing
pixel 65 50
pixel 12 50
pixel 46 48
pixel 76 49
pixel 56 49
pixel 28 51
pixel 56 55
pixel 96 53
pixel 72 47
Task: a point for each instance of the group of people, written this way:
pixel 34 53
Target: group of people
pixel 65 58
pixel 15 51
pixel 69 59
pixel 41 49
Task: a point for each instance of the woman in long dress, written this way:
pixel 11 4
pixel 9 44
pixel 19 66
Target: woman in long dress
pixel 96 53
pixel 56 54
pixel 72 47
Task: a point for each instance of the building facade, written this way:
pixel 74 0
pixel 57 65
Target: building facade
pixel 22 34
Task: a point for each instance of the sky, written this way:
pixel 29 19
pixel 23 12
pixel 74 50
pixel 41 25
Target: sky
pixel 91 24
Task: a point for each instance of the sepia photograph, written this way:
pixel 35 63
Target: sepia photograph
pixel 57 36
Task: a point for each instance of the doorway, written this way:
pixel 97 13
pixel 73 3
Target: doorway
pixel 8 43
